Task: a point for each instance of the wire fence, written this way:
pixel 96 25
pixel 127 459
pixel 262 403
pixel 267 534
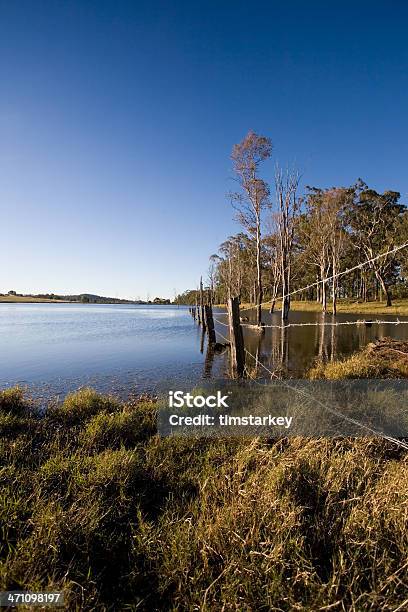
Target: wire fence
pixel 366 322
pixel 330 409
pixel 342 273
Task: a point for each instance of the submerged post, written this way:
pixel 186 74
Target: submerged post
pixel 237 350
pixel 197 309
pixel 202 304
pixel 209 322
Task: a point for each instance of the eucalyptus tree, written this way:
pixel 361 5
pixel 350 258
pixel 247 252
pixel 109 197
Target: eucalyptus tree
pixel 335 203
pixel 253 196
pixel 374 221
pixel 288 205
pixel 314 231
pixel 271 244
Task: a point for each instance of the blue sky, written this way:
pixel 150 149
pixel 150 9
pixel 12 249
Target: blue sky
pixel 117 121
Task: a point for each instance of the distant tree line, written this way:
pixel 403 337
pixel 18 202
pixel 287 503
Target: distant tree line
pixel 290 240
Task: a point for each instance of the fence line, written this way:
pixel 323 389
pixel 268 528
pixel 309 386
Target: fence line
pixel 391 439
pixel 325 323
pixel 329 278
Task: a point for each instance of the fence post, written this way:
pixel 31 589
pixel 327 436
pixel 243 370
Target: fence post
pixel 202 304
pixel 198 310
pixel 237 351
pixel 209 321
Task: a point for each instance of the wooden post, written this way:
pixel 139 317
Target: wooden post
pixel 194 313
pixel 237 350
pixel 198 310
pixel 202 304
pixel 209 322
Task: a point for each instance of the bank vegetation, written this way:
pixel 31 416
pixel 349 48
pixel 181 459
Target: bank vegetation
pixel 94 503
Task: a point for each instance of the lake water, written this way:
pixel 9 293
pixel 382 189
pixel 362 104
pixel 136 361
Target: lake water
pixel 55 348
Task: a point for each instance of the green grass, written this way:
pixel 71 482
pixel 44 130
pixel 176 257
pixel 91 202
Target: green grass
pixel 93 502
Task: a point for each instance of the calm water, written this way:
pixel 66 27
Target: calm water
pixel 54 348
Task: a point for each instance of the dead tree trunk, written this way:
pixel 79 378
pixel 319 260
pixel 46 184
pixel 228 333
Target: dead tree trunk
pixel 259 290
pixel 334 286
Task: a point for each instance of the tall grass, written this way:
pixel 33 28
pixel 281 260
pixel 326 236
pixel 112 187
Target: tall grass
pixel 384 358
pixel 94 503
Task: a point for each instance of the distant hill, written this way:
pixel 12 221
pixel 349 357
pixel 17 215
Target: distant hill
pixel 82 298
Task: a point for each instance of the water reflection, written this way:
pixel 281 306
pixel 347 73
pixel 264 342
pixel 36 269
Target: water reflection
pixel 209 360
pixel 293 350
pixel 132 349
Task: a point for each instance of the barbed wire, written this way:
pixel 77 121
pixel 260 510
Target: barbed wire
pixel 337 275
pixel 351 420
pixel 323 323
pixel 333 411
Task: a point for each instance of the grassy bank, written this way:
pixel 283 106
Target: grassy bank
pixel 12 299
pixel 384 358
pixel 399 307
pixel 95 503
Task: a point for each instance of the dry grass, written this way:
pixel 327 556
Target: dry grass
pixel 386 358
pixel 10 299
pixel 95 503
pixel 399 307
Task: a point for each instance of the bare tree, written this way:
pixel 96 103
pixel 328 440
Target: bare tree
pixel 253 197
pixel 288 204
pixel 230 265
pixel 212 279
pixel 315 229
pixel 272 248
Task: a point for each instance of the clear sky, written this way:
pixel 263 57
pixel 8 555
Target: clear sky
pixel 117 121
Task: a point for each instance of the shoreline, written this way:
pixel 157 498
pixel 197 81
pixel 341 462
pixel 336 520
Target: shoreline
pixel 399 307
pixel 92 474
pixel 36 301
pixel 28 300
